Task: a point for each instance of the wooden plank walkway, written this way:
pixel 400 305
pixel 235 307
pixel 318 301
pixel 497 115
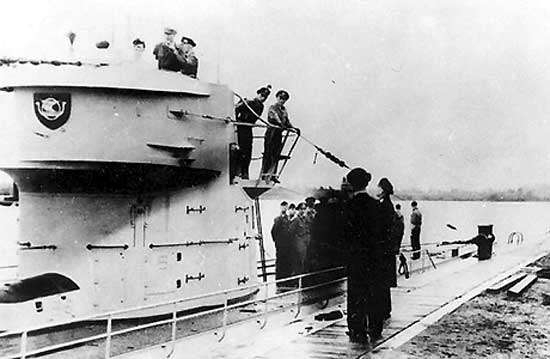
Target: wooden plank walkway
pixel 409 307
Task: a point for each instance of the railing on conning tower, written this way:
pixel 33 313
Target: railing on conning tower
pixel 290 139
pixel 289 133
pixel 289 142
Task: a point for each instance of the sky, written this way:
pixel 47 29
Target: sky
pixel 431 94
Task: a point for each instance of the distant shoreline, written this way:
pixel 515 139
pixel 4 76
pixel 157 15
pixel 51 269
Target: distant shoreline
pixel 533 193
pixel 536 193
pixel 420 198
pixel 473 197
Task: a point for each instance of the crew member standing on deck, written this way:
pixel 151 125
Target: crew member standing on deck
pixel 166 52
pixel 398 230
pixel 280 235
pixel 313 247
pixel 299 232
pixel 365 261
pixel 401 219
pixel 273 139
pixel 416 223
pixel 248 111
pixel 387 217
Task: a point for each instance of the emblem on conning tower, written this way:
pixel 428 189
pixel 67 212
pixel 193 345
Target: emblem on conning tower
pixel 52 109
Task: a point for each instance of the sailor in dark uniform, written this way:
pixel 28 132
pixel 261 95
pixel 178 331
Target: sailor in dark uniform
pixel 166 52
pixel 416 224
pixel 365 261
pixel 248 112
pixel 398 229
pixel 387 217
pixel 273 141
pixel 299 234
pixel 281 237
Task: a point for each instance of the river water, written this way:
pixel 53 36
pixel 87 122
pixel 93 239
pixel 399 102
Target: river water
pixel 530 218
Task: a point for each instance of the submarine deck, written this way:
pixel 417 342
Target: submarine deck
pixel 417 302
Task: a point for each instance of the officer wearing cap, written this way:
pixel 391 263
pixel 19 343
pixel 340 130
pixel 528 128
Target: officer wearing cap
pixel 166 52
pixel 387 217
pixel 281 236
pixel 189 62
pixel 248 111
pixel 299 234
pixel 365 270
pixel 273 140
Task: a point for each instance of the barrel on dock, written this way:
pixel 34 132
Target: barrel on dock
pixel 485 242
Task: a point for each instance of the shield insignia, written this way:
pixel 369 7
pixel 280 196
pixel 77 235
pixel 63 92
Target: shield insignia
pixel 52 109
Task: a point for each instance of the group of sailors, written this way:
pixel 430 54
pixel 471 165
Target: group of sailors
pixel 352 229
pixel 172 56
pixel 291 233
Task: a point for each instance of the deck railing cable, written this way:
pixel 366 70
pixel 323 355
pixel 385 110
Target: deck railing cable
pixel 110 316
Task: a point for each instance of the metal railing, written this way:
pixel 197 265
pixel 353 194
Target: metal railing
pixel 174 319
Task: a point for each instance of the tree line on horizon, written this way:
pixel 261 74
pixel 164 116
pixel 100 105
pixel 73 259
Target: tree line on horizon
pixel 519 194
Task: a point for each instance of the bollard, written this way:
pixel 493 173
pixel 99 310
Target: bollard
pixel 485 241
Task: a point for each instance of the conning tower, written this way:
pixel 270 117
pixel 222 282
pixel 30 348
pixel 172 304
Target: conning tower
pixel 125 191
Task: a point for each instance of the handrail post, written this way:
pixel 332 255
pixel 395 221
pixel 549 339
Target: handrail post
pixel 23 344
pixel 260 237
pixel 299 301
pixel 108 339
pixel 174 323
pixel 224 318
pixel 430 259
pixel 266 297
pixel 423 255
pixel 283 143
pixel 289 153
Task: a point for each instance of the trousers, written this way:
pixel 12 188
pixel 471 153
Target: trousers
pixel 415 241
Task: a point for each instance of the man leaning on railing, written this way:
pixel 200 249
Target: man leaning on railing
pixel 273 142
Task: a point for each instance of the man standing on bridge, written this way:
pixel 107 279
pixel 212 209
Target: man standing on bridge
pixel 273 140
pixel 248 112
pixel 166 52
